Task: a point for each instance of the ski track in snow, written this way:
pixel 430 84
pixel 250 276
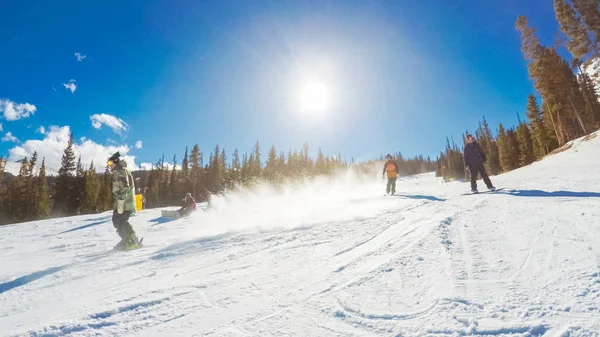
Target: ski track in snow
pixel 328 258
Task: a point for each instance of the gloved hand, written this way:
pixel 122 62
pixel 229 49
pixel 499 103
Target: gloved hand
pixel 120 204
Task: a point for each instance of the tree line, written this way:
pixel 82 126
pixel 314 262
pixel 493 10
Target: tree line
pixel 31 195
pixel 569 105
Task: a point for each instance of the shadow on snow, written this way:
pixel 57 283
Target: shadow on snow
pixel 539 193
pixel 83 227
pixel 162 220
pixel 209 243
pixel 23 280
pixel 419 197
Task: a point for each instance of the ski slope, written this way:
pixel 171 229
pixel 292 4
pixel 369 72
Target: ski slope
pixel 333 257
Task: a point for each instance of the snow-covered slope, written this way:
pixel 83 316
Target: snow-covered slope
pixel 329 258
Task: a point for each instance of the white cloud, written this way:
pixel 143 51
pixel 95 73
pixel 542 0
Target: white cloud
pixel 1 127
pixel 15 111
pixel 56 140
pixel 70 86
pixel 41 130
pixel 146 166
pixel 9 138
pixel 138 144
pixel 117 124
pixel 80 57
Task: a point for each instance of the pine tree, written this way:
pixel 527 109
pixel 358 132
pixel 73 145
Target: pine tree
pixel 196 171
pixel 32 188
pixel 591 100
pixel 271 168
pixel 20 192
pixel 63 199
pixel 556 83
pixel 152 196
pixel 42 201
pixel 174 195
pixel 245 171
pixel 215 175
pixel 541 142
pixel 578 43
pixel 236 167
pixel 490 148
pixel 185 165
pixel 183 177
pixel 590 14
pixel 503 147
pixel 514 147
pixel 163 182
pixel 320 164
pixel 525 141
pixel 92 190
pixel 304 162
pixel 79 191
pixel 32 163
pixel 106 200
pixel 257 161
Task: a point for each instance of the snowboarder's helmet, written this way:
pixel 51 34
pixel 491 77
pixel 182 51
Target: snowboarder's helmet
pixel 469 136
pixel 188 195
pixel 388 156
pixel 114 158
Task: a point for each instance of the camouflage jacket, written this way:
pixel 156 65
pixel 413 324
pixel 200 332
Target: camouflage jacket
pixel 124 187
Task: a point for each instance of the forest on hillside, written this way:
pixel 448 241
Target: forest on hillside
pixel 32 195
pixel 565 106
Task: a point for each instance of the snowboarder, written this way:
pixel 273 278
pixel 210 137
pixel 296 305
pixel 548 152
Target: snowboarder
pixel 123 188
pixel 474 159
pixel 189 206
pixel 391 169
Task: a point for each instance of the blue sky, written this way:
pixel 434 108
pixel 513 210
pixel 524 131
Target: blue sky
pixel 400 75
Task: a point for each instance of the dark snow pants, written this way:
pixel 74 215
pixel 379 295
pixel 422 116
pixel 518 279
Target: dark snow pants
pixel 479 168
pixel 121 223
pixel 391 185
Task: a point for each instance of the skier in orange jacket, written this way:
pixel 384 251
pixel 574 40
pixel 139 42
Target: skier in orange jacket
pixel 391 169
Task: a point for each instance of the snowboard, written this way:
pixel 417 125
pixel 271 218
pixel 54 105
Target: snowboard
pixel 484 192
pixel 131 248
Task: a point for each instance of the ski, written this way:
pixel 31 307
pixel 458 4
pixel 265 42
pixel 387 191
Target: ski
pixel 484 192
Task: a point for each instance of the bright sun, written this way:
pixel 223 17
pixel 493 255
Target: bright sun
pixel 314 97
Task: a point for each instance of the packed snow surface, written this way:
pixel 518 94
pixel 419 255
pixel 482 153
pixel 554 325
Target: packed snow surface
pixel 332 257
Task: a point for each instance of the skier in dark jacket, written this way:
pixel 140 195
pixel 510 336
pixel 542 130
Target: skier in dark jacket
pixel 391 169
pixel 474 160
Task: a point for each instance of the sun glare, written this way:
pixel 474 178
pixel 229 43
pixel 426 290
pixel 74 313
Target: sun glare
pixel 314 97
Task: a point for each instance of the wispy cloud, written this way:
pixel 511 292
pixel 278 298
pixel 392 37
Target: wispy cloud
pixel 146 166
pixel 56 139
pixel 138 144
pixel 70 86
pixel 1 127
pixel 41 130
pixel 80 57
pixel 8 137
pixel 116 124
pixel 14 111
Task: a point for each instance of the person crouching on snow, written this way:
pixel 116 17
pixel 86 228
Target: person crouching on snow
pixel 189 206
